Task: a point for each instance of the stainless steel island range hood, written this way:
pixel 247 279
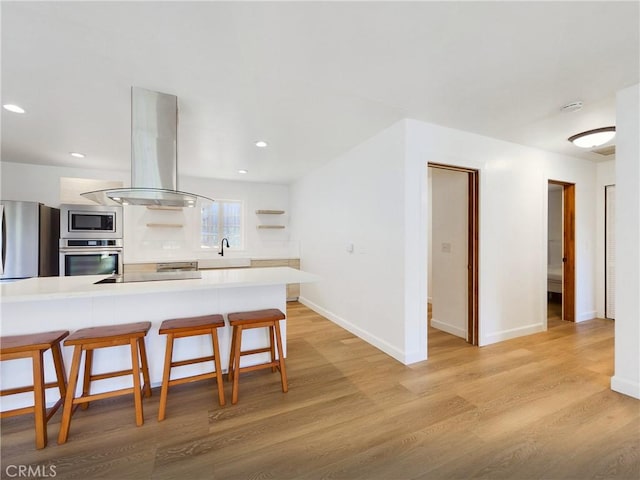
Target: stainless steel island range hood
pixel 154 165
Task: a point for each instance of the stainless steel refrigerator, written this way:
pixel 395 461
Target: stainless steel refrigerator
pixel 29 237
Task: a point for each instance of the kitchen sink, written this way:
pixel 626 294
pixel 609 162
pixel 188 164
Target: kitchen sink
pixel 224 262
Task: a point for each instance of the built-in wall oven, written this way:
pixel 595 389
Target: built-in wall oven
pixel 90 257
pixel 90 240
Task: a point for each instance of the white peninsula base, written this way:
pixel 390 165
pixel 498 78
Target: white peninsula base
pixel 38 305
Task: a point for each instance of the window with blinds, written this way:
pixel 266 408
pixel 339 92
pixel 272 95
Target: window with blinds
pixel 610 251
pixel 221 219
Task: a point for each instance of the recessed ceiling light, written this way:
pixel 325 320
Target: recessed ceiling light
pixel 77 154
pixel 243 171
pixel 261 144
pixel 593 138
pixel 13 108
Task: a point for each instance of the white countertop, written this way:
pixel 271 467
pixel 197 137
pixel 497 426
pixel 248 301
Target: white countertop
pixel 50 288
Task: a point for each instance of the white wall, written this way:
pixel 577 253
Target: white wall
pixel 513 224
pixel 357 199
pixel 376 195
pixel 449 254
pixel 42 184
pixel 606 175
pixel 627 326
pixel 156 243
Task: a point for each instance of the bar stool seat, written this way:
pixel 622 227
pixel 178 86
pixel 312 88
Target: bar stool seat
pixel 190 327
pixel 89 339
pixel 241 321
pixel 33 346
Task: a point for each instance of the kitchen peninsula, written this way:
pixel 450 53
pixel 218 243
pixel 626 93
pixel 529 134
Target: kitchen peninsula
pixel 55 303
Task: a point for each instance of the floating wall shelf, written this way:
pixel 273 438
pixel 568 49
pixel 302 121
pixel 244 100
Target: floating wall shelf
pixel 269 226
pixel 165 225
pixel 269 212
pixel 158 207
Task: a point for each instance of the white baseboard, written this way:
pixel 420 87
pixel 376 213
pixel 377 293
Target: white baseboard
pixel 590 315
pixel 626 387
pixel 452 329
pixel 357 331
pixel 511 333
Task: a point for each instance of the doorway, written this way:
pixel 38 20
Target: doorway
pixel 453 251
pixel 561 249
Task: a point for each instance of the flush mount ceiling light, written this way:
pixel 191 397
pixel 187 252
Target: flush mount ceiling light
pixel 77 154
pixel 593 138
pixel 572 107
pixel 261 144
pixel 243 171
pixel 13 108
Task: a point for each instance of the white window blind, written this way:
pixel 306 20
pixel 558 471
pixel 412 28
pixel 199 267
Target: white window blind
pixel 221 219
pixel 610 251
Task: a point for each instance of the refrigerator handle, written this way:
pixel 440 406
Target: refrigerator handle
pixel 3 239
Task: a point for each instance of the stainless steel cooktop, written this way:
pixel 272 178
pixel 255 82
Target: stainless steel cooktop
pixel 151 277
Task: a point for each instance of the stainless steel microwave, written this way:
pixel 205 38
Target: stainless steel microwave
pixel 89 221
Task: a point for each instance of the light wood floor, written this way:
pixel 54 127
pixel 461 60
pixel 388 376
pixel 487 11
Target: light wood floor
pixel 537 407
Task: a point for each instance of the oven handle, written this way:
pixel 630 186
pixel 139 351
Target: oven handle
pixel 92 250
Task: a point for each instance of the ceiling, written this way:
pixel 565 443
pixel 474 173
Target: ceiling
pixel 313 79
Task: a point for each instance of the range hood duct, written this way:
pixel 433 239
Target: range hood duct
pixel 154 159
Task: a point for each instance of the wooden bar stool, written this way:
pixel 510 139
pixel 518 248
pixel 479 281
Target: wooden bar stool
pixel 190 327
pixel 33 346
pixel 89 339
pixel 256 319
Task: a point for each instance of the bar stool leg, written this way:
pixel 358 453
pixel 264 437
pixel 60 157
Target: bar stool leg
pixel 237 340
pixel 283 370
pixel 216 361
pixel 137 393
pixel 86 381
pixel 273 348
pixel 165 377
pixel 39 404
pixel 61 374
pixel 67 410
pixel 233 353
pixel 145 367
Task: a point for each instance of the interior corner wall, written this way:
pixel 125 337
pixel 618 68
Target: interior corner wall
pixel 513 224
pixel 606 175
pixel 626 377
pixel 348 217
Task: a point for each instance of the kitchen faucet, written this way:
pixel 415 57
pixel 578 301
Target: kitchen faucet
pixel 221 252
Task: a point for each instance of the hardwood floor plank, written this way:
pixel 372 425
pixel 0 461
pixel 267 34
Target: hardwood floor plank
pixel 536 407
